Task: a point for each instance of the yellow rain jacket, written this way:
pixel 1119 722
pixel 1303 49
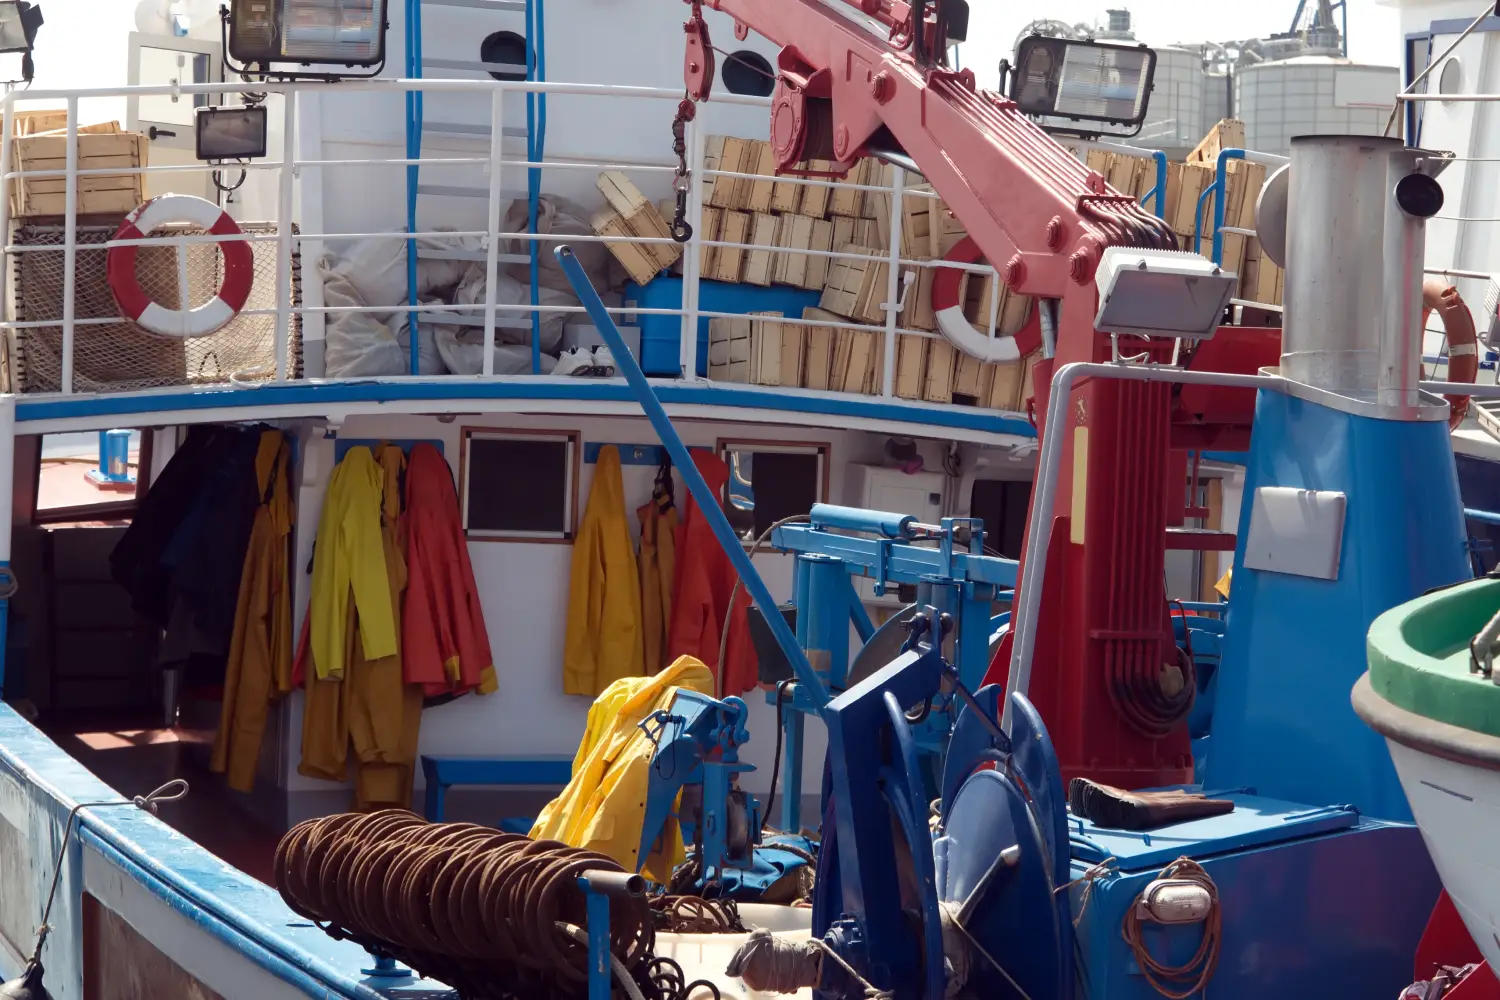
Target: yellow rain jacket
pixel 350 558
pixel 1223 585
pixel 603 807
pixel 604 633
pixel 259 668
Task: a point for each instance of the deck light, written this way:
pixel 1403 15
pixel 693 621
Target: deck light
pixel 1160 293
pixel 308 32
pixel 1082 80
pixel 19 21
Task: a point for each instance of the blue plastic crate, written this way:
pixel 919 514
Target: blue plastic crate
pixel 661 336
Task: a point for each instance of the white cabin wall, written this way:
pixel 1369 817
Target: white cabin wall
pixel 616 42
pixel 524 590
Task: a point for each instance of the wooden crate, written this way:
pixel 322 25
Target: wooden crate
pixel 729 349
pixel 817 266
pixel 846 201
pixel 1229 133
pixel 911 365
pixel 759 262
pixel 941 362
pixel 854 357
pixel 735 157
pixel 944 230
pixel 818 361
pixel 642 218
pixel 98 194
pixel 762 190
pixel 710 229
pixel 1195 179
pixel 777 351
pixel 918 314
pixel 846 282
pixel 969 386
pixel 786 197
pixel 638 262
pixel 815 197
pixel 1005 386
pixel 796 233
pixel 729 265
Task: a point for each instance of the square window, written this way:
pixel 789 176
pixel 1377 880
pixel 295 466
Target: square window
pixel 1003 506
pixel 519 485
pixel 770 480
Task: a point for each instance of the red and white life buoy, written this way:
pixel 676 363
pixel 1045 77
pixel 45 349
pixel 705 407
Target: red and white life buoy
pixel 137 306
pixel 952 322
pixel 1463 342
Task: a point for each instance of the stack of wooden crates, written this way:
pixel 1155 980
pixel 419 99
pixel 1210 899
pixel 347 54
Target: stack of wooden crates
pixel 765 217
pixel 41 143
pixel 1260 279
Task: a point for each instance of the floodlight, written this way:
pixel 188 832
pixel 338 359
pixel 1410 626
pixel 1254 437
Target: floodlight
pixel 308 32
pixel 1161 293
pixel 1083 80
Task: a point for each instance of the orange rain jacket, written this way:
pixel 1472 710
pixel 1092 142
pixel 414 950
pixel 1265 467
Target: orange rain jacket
pixel 700 594
pixel 445 646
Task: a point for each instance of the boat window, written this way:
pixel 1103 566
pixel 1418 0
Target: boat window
pixel 508 48
pixel 1003 505
pixel 89 476
pixel 747 72
pixel 770 480
pixel 519 485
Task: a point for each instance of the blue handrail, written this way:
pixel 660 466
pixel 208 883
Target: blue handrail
pixel 413 152
pixel 1160 190
pixel 536 142
pixel 1221 173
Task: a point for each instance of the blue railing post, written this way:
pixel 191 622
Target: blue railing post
pixel 598 886
pixel 627 365
pixel 1159 192
pixel 1221 174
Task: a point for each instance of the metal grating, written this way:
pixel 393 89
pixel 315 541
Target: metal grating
pixel 121 357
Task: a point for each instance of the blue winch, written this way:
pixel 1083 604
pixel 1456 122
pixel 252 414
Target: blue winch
pixel 993 886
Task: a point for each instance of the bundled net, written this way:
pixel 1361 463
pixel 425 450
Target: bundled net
pixel 121 357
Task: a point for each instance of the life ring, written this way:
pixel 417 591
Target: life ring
pixel 1463 343
pixel 139 308
pixel 949 311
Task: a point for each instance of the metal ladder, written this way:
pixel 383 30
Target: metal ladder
pixel 534 132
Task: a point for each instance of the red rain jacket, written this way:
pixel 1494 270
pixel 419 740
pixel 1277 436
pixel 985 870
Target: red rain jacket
pixel 444 644
pixel 701 585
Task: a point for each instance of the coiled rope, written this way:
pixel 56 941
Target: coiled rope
pixel 475 908
pixel 1198 970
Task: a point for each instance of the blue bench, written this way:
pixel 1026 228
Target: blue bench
pixel 442 773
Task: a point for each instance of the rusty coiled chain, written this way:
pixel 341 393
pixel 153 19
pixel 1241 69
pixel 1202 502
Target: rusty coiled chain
pixel 464 904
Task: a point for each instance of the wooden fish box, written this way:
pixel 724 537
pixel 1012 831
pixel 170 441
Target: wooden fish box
pixel 100 147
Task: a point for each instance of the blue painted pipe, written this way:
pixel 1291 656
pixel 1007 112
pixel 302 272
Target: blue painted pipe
pixel 1158 193
pixel 1482 516
pixel 875 522
pixel 625 362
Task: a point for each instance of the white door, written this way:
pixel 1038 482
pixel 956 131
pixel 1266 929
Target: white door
pixel 167 120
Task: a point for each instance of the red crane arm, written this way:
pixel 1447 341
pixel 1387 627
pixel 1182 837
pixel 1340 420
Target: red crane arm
pixel 842 92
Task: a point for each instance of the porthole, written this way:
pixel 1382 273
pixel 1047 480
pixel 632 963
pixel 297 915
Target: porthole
pixel 746 72
pixel 1451 78
pixel 505 47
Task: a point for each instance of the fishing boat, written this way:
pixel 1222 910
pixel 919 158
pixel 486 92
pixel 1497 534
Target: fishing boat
pixel 488 522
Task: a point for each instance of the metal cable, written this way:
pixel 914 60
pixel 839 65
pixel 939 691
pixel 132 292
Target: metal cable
pixel 461 903
pixel 696 915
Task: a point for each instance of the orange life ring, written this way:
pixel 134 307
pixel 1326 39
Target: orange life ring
pixel 139 308
pixel 949 311
pixel 1463 342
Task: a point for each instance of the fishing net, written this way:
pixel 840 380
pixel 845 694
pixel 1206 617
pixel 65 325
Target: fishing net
pixel 121 357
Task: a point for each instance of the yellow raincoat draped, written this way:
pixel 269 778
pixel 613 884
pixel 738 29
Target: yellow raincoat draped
pixel 603 807
pixel 259 668
pixel 603 639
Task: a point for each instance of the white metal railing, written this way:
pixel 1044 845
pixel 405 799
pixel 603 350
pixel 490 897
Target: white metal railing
pixel 901 270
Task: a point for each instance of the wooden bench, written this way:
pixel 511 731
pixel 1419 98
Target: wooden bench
pixel 442 773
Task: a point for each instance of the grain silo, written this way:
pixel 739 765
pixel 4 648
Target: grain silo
pixel 1312 94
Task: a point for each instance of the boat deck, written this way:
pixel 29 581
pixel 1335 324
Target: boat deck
pixel 133 757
